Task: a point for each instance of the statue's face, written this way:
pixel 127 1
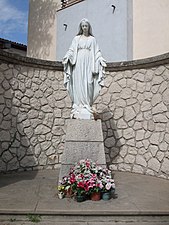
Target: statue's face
pixel 85 27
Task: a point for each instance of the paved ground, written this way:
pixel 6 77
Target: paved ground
pixel 36 192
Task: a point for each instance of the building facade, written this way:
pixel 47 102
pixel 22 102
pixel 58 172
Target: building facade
pixel 125 30
pixel 111 25
pixel 42 29
pixel 13 47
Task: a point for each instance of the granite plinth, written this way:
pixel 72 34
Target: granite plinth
pixel 84 130
pixel 84 139
pixel 74 151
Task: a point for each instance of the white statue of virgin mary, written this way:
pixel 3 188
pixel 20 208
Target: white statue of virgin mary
pixel 83 71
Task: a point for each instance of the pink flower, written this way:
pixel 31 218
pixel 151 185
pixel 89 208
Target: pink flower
pixel 86 186
pixel 100 185
pixel 108 186
pixel 87 164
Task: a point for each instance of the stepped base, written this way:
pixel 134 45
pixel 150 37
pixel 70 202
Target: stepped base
pixel 86 220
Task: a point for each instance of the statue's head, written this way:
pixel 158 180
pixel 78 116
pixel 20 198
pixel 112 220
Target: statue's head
pixel 84 24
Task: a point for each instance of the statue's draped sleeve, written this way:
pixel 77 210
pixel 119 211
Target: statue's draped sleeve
pixel 68 67
pixel 97 69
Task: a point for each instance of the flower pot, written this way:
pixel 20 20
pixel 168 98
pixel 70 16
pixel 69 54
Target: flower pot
pixel 95 196
pixel 112 192
pixel 69 193
pixel 106 196
pixel 80 198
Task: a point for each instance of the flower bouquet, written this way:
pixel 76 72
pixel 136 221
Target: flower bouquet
pixel 85 179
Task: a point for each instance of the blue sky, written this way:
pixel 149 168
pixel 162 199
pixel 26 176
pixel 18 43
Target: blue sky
pixel 14 20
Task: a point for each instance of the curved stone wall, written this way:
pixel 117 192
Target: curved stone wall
pixel 133 106
pixel 33 106
pixel 135 112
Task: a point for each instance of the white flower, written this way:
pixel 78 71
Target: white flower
pixel 108 186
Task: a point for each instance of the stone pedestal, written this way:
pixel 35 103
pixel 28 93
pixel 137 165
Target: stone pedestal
pixel 84 139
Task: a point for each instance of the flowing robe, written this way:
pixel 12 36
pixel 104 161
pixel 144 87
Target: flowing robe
pixel 83 73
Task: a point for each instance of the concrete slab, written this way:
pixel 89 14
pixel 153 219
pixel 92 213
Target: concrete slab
pixel 84 223
pixel 18 191
pixel 138 195
pixel 85 220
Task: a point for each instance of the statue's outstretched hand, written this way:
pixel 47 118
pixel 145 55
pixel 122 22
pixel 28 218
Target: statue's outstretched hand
pixel 65 60
pixel 103 62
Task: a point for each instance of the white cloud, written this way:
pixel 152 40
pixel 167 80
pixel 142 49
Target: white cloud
pixel 11 19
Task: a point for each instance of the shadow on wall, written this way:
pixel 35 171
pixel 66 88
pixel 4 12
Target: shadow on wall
pixel 16 153
pixel 111 137
pixel 41 21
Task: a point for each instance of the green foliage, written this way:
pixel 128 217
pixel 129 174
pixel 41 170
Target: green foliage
pixel 34 218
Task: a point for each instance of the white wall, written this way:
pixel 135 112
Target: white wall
pixel 110 29
pixel 137 29
pixel 42 29
pixel 150 28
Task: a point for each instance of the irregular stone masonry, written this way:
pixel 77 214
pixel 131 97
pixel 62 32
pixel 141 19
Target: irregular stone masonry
pixel 133 105
pixel 135 113
pixel 34 106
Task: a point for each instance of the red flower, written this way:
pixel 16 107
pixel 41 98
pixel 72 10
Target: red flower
pixel 80 185
pixel 86 187
pixel 72 179
pixel 82 176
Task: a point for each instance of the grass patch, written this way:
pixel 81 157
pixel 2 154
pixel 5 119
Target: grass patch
pixel 34 218
pixel 12 219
